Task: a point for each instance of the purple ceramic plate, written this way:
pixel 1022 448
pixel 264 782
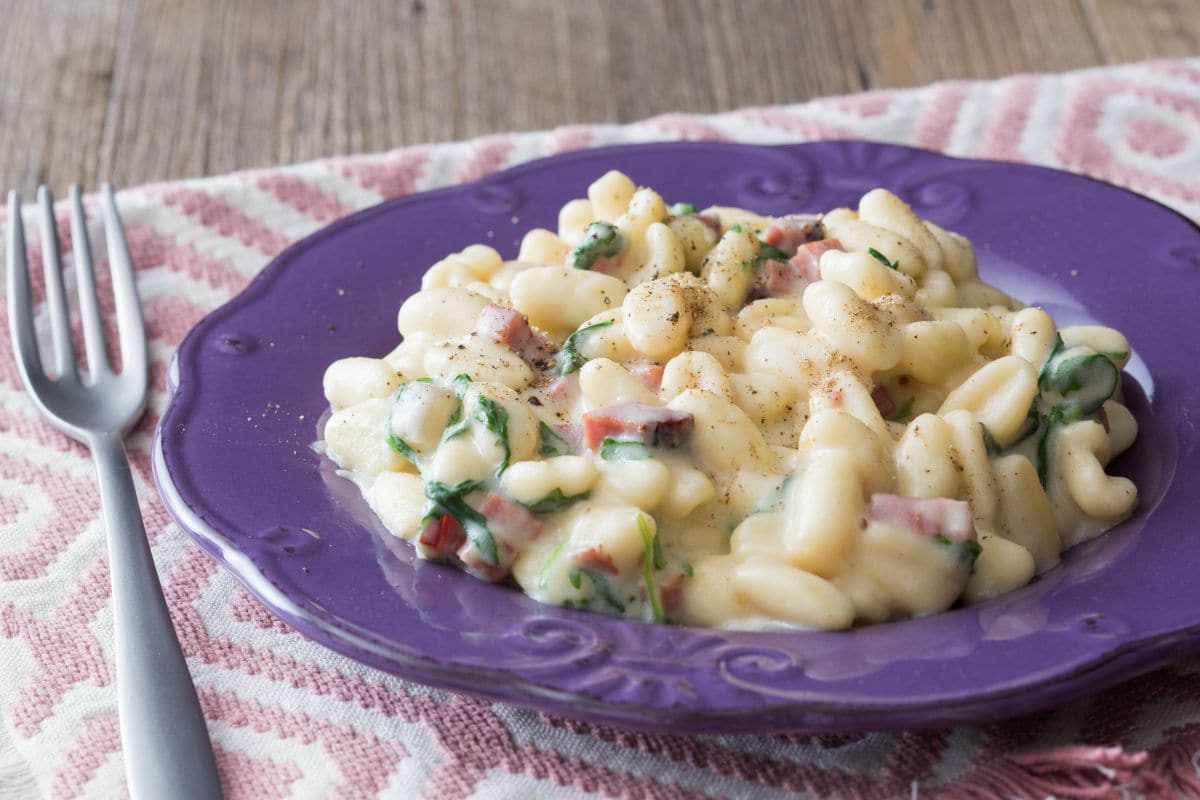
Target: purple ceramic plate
pixel 234 464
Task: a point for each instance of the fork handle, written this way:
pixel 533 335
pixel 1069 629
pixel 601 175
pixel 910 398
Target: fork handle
pixel 163 734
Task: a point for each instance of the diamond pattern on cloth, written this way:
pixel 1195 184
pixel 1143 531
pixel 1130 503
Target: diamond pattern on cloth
pixel 290 719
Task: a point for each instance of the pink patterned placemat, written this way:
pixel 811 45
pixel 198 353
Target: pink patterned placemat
pixel 292 720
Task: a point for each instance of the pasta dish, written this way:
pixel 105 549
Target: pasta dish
pixel 716 418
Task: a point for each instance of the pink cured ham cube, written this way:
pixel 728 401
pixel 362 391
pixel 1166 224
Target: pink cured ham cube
pixel 650 375
pixel 926 515
pixel 807 261
pixel 780 279
pixel 441 538
pixel 650 425
pixel 512 527
pixel 789 233
pixel 511 328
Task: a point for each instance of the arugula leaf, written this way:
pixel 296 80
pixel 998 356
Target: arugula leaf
pixel 395 442
pixel 1081 382
pixel 967 550
pixel 448 499
pixel 735 228
pixel 766 252
pixel 457 422
pixel 551 443
pixel 495 419
pixel 600 584
pixel 544 575
pixel 1084 381
pixel 651 560
pixel 569 359
pixel 1028 427
pixel 989 441
pixel 681 210
pixel 402 447
pixel 687 569
pixel 445 495
pixel 903 412
pixel 1047 426
pixel 600 240
pixel 882 259
pixel 623 450
pixel 772 253
pixel 555 501
pixel 1051 360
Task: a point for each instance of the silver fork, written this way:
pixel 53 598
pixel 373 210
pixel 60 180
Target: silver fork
pixel 163 735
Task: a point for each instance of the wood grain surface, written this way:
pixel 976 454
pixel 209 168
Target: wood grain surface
pixel 142 90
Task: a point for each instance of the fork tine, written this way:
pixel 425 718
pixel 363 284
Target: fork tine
pixel 89 306
pixel 56 297
pixel 130 326
pixel 20 299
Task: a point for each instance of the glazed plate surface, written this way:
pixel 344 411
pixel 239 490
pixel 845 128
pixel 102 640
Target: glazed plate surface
pixel 235 464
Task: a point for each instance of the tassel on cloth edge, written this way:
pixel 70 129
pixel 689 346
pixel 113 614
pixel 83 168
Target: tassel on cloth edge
pixel 1076 772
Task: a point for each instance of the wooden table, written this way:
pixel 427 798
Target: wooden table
pixel 141 90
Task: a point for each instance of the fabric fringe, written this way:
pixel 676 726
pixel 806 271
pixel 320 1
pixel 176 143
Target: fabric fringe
pixel 1170 772
pixel 1063 773
pixel 1174 767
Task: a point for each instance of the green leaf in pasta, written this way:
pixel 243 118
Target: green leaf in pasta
pixel 766 252
pixel 967 550
pixel 1051 358
pixel 458 421
pixel 600 585
pixel 1047 429
pixel 402 447
pixel 446 499
pixel 544 575
pixel 682 210
pixel 1084 381
pixel 601 240
pixel 551 444
pixel 652 560
pixel 903 412
pixel 622 450
pixel 495 419
pixel 555 501
pixel 989 441
pixel 395 442
pixel 770 252
pixel 1072 385
pixel 569 359
pixel 882 259
pixel 1028 428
